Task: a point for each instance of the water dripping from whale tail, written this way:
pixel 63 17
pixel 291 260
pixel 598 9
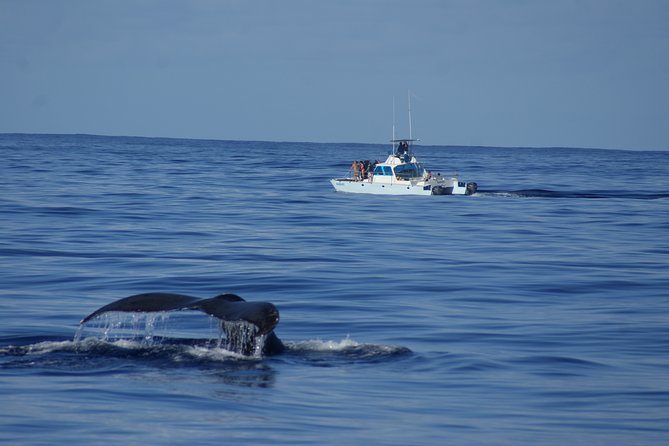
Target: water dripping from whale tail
pixel 114 326
pixel 243 337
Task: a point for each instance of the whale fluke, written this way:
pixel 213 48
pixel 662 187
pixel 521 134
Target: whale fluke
pixel 226 307
pixel 145 303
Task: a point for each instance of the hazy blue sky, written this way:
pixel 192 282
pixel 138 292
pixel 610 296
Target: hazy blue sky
pixel 581 73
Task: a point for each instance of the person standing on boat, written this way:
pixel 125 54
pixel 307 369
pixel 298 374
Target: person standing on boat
pixel 403 148
pixel 356 169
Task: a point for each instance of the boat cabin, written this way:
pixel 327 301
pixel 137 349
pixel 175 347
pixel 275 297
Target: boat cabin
pixel 400 165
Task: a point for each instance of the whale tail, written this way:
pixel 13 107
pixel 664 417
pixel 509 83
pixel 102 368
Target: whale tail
pixel 226 307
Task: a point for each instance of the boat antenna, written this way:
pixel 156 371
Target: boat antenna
pixel 409 96
pixel 392 141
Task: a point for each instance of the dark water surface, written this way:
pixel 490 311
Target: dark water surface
pixel 535 312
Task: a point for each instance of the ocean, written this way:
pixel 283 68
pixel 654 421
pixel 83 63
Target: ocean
pixel 533 312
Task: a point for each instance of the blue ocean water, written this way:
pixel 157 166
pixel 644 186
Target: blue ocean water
pixel 534 312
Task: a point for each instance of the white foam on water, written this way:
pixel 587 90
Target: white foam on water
pixel 320 345
pixel 42 348
pixel 211 354
pixel 346 346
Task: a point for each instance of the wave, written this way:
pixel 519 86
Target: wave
pixel 347 350
pixel 545 193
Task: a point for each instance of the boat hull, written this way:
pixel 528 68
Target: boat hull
pixel 452 187
pixel 366 187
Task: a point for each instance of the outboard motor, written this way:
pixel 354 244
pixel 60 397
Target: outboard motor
pixel 471 188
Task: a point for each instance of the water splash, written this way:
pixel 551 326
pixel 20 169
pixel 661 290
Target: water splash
pixel 115 326
pixel 153 329
pixel 242 337
pixel 78 334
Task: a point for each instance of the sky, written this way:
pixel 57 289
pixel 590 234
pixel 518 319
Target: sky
pixel 510 73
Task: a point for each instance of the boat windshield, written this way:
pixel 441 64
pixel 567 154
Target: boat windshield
pixel 383 170
pixel 407 171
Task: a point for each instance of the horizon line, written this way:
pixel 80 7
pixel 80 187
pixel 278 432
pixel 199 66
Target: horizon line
pixel 337 142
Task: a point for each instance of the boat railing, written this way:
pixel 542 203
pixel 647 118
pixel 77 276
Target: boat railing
pixel 357 175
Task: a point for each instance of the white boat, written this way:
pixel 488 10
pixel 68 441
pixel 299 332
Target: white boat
pixel 400 174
